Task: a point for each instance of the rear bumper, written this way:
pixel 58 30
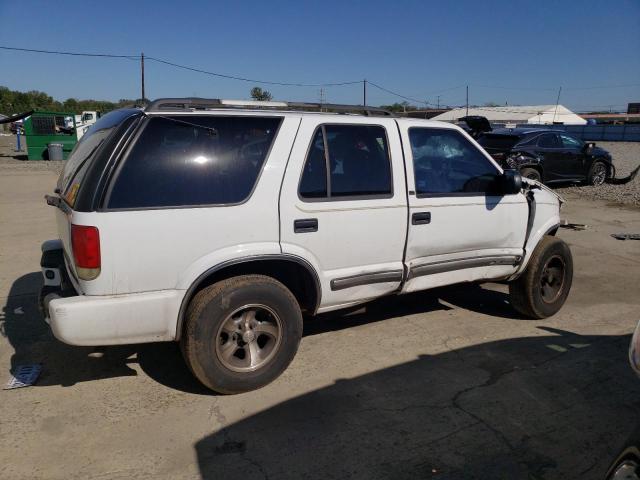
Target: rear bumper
pixel 116 319
pixel 103 319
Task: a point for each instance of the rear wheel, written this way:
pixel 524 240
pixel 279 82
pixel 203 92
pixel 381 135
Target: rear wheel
pixel 531 173
pixel 241 333
pixel 597 174
pixel 544 286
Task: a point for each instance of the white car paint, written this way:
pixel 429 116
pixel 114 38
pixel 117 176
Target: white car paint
pixel 151 257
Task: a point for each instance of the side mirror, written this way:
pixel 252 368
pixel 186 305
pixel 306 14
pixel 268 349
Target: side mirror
pixel 589 146
pixel 511 182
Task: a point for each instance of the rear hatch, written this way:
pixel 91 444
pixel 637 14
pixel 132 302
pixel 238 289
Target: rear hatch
pixel 477 124
pixel 83 174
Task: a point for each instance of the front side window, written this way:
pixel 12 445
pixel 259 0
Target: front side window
pixel 570 142
pixel 356 158
pixel 446 163
pixel 194 160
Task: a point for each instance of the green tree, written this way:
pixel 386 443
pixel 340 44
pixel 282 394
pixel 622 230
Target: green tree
pixel 13 102
pixel 261 95
pixel 399 107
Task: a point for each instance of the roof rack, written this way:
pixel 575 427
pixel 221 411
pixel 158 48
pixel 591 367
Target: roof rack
pixel 191 103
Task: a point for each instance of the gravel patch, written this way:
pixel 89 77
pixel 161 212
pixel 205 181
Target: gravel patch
pixel 626 157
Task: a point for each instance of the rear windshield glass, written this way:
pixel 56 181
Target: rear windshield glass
pixel 82 154
pixel 194 160
pixel 498 142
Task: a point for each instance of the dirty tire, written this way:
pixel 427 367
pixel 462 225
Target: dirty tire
pixel 208 316
pixel 597 173
pixel 531 173
pixel 532 294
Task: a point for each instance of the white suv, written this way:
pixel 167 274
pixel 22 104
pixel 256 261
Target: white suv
pixel 218 223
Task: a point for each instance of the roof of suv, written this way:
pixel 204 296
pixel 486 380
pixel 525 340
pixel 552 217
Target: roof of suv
pixel 206 104
pixel 191 105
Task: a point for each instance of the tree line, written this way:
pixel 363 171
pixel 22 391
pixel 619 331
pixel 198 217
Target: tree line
pixel 13 102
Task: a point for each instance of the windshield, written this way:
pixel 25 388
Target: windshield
pixel 82 154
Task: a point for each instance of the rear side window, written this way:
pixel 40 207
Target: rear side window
pixel 83 153
pixel 190 160
pixel 356 158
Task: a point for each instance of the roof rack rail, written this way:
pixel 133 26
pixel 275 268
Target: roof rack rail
pixel 181 104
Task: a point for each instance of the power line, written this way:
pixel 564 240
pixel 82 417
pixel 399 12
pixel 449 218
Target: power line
pixel 397 94
pixel 77 54
pixel 555 88
pixel 252 80
pixel 298 84
pixel 185 67
pixel 606 86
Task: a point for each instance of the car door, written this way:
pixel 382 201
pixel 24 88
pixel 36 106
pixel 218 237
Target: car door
pixel 573 157
pixel 550 150
pixel 461 228
pixel 343 206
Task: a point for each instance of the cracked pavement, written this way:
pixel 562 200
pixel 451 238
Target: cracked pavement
pixel 445 384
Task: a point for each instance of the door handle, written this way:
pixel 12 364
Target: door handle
pixel 305 225
pixel 421 218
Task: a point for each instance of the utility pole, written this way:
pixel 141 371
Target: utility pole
pixel 364 92
pixel 467 100
pixel 438 102
pixel 142 75
pixel 321 97
pixel 557 102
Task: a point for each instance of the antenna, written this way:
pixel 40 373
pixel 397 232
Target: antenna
pixel 556 110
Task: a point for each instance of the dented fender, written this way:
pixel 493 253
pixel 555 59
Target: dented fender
pixel 545 219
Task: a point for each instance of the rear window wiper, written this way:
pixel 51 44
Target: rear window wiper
pixel 56 201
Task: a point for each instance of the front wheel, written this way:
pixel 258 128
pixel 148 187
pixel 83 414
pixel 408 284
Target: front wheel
pixel 597 174
pixel 241 333
pixel 544 286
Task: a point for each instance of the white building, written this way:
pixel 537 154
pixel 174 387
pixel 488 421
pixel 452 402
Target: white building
pixel 536 114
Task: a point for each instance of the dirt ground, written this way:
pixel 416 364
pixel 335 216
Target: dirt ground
pixel 448 384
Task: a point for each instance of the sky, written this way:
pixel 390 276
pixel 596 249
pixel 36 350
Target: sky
pixel 511 52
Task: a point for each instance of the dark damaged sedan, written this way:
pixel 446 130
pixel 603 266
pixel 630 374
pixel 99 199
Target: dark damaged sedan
pixel 548 155
pixel 545 155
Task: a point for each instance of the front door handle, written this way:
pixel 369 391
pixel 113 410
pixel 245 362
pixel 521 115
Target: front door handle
pixel 305 225
pixel 421 218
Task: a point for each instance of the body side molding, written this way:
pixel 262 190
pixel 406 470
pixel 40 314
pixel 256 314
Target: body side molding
pixel 367 279
pixel 462 263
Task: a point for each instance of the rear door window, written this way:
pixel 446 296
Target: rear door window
pixel 548 140
pixel 357 159
pixel 193 160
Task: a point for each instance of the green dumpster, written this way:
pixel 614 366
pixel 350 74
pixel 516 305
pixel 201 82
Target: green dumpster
pixel 43 128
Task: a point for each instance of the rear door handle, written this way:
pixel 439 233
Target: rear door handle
pixel 305 225
pixel 421 218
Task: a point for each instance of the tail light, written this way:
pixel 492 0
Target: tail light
pixel 85 242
